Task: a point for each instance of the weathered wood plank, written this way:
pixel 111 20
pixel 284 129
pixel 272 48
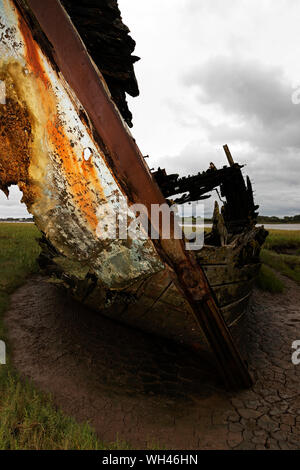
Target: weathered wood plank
pixel 235 310
pixel 224 274
pixel 210 255
pixel 229 293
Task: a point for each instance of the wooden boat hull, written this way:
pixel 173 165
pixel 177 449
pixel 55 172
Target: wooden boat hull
pixel 55 111
pixel 154 303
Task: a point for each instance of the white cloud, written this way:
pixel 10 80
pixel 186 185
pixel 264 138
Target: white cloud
pixel 215 72
pixel 12 206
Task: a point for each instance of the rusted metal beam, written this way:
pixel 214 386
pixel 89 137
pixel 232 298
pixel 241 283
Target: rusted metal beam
pixel 132 174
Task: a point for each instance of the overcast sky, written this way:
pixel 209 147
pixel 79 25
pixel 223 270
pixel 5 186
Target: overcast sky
pixel 215 72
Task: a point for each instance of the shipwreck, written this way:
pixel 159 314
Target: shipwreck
pixel 65 141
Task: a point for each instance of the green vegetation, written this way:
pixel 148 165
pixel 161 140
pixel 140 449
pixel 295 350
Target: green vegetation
pixel 268 281
pixel 18 252
pixel 288 265
pixel 29 419
pixel 280 253
pixel 283 241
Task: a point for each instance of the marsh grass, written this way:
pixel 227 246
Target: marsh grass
pixel 18 252
pixel 281 253
pixel 268 281
pixel 29 418
pixel 282 240
pixel 288 265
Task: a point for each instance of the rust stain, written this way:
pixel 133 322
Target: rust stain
pixel 81 177
pixel 32 53
pixel 15 143
pixel 90 174
pixel 35 65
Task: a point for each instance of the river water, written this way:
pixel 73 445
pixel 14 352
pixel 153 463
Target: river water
pixel 282 226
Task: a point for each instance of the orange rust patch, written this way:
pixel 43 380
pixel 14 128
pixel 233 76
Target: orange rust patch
pixel 15 141
pixel 15 163
pixel 81 178
pixel 32 52
pixel 90 174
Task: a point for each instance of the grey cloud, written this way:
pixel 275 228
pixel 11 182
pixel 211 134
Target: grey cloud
pixel 266 128
pixel 248 89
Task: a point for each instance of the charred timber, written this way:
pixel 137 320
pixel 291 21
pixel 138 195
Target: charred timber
pixel 108 42
pixel 239 210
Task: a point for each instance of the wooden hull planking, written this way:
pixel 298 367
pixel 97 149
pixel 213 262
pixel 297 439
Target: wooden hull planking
pixel 54 112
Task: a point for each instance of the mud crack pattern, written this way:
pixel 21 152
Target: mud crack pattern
pixel 147 391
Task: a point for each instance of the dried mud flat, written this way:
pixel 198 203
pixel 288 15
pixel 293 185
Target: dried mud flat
pixel 146 391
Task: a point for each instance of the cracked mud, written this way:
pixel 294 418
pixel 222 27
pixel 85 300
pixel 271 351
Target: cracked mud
pixel 146 391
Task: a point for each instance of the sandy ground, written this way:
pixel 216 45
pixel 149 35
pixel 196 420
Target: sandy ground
pixel 140 389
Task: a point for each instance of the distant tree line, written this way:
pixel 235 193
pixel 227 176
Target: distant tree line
pixel 261 219
pixel 264 219
pixel 17 219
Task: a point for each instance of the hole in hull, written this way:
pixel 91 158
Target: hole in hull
pixel 87 153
